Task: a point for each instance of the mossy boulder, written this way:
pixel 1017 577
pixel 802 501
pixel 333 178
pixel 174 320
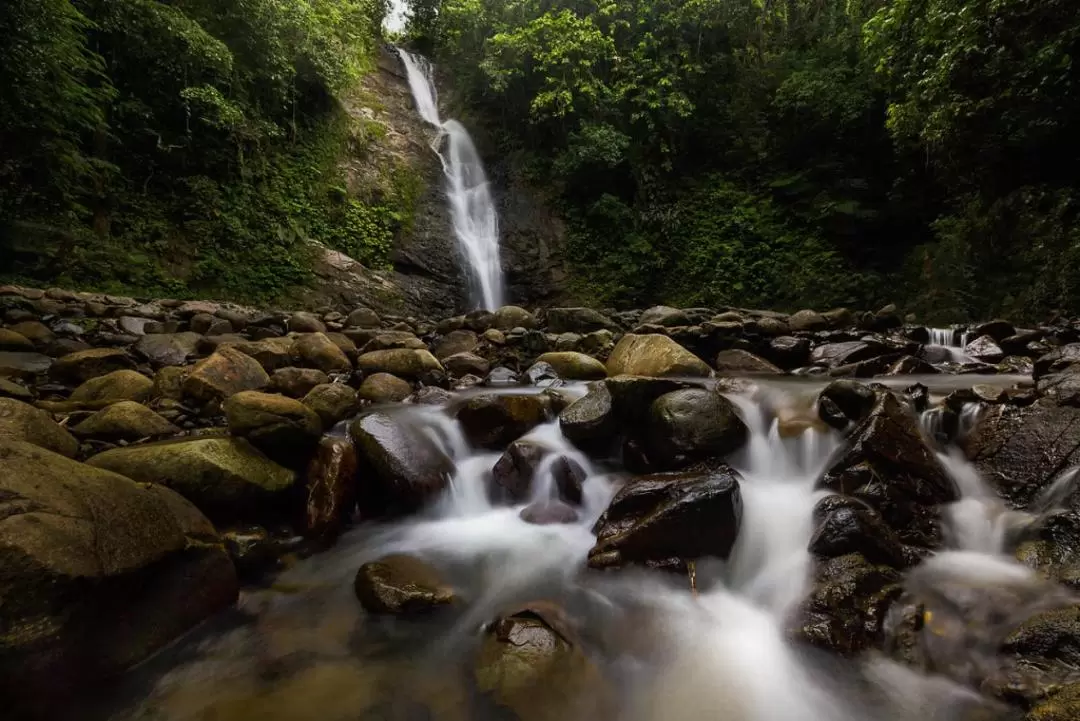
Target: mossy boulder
pixel 511 316
pixel 169 382
pixel 97 572
pixel 226 372
pixel 81 366
pixel 655 356
pixel 316 350
pixel 22 422
pixel 296 382
pixel 124 421
pixel 333 402
pixel 227 478
pixel 463 364
pixel 283 428
pixel 384 388
pixel 122 385
pixel 1061 706
pixel 13 341
pixel 401 585
pixel 271 353
pixel 402 362
pixel 574 366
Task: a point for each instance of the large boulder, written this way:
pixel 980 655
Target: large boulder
pixel 846 525
pixel 282 428
pixel 384 388
pixel 124 421
pixel 574 366
pixel 316 350
pixel 658 517
pixel 81 366
pixel 402 468
pixel 226 372
pixel 331 488
pixel 741 362
pixel 493 420
pixel 271 353
pixel 511 316
pixel 167 349
pixel 590 421
pixel 297 382
pixel 401 585
pixel 655 356
pixel 456 341
pixel 123 385
pixel 888 465
pixel 97 572
pixel 691 424
pixel 333 402
pixel 227 478
pixel 463 364
pixel 808 320
pixel 22 422
pixel 401 362
pixel 577 320
pixel 985 349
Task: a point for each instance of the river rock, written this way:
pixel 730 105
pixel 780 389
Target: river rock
pixel 577 320
pixel 888 465
pixel 82 366
pixel 984 349
pixel 832 355
pixel 332 402
pixel 363 318
pixel 430 396
pixel 34 331
pixel 910 365
pixel 124 421
pixel 22 422
pixel 167 349
pixel 12 341
pixel 305 323
pixel 384 388
pixel 846 525
pixel 574 366
pixel 123 385
pixel 510 316
pixel 998 330
pixel 514 471
pixel 542 375
pixel 691 424
pixel 740 362
pixel 655 356
pixel 297 382
pixel 23 365
pixel 401 467
pixel 669 515
pixel 457 341
pixel 548 513
pixel 316 350
pixel 97 572
pixel 463 364
pixel 807 320
pixel 387 340
pixel 1062 705
pixel 169 382
pixel 494 420
pixel 844 402
pixel 226 372
pixel 209 325
pixel 401 362
pixel 11 389
pixel 331 488
pixel 569 479
pixel 401 585
pixel 590 421
pixel 283 428
pixel 227 478
pixel 271 353
pixel 665 316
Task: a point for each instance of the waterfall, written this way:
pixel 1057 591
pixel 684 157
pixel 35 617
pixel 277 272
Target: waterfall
pixel 472 209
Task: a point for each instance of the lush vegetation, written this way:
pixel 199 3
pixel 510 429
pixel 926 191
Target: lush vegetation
pixel 791 152
pixel 186 146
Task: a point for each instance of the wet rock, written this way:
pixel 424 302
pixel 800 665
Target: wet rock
pixel 401 362
pixel 833 355
pixel 807 320
pixel 457 341
pixel 167 349
pixel 97 572
pixel 574 366
pixel 15 342
pixel 226 372
pixel 430 396
pixel 401 585
pixel 316 350
pixel 271 353
pixel 590 421
pixel 1061 388
pixel 984 349
pixel 462 364
pixel 1063 705
pixel 998 330
pixel 384 388
pixel 577 320
pixel 1019 451
pixel 740 362
pixel 665 316
pixel 846 525
pixel 254 551
pixel 691 424
pixel 332 402
pixel 847 606
pixel 511 316
pixel 226 478
pixel 655 356
pixel 513 473
pixel 123 385
pixel 23 365
pixel 910 365
pixel 401 467
pixel 1019 365
pixel 845 401
pixel 331 488
pixel 888 465
pixel 919 397
pixel 661 516
pixel 296 382
pixel 542 375
pixel 501 377
pixel 548 513
pixel 495 420
pixel 305 323
pixel 22 422
pixel 363 318
pixel 283 428
pixel 124 421
pixel 569 478
pixel 84 365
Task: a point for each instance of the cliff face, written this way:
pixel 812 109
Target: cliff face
pixel 427 276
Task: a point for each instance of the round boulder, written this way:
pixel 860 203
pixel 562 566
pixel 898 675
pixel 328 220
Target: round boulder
pixel 124 421
pixel 22 422
pixel 574 366
pixel 655 356
pixel 123 385
pixel 692 424
pixel 384 388
pixel 400 585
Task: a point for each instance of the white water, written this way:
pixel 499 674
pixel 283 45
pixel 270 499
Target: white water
pixel 952 341
pixel 472 209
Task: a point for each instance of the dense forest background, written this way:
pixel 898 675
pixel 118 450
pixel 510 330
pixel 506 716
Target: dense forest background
pixel 771 153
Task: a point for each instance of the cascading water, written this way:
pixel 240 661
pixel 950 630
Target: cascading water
pixel 472 209
pixel 952 340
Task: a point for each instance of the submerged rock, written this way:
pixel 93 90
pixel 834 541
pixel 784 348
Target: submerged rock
pixel 401 585
pixel 97 572
pixel 669 515
pixel 654 356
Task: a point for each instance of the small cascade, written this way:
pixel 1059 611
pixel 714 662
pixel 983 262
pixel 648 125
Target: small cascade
pixel 952 340
pixel 472 208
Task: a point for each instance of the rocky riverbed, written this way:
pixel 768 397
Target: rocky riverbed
pixel 161 459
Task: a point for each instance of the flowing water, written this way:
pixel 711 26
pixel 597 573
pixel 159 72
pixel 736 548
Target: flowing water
pixel 952 341
pixel 472 208
pixel 303 649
